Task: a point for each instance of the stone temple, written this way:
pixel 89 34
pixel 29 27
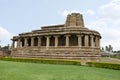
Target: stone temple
pixel 71 40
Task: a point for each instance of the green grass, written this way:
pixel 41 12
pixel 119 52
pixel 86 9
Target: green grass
pixel 33 71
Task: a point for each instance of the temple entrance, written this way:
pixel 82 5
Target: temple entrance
pixel 83 40
pixel 43 41
pixel 73 40
pixel 29 42
pixel 35 41
pixel 22 42
pixel 52 41
pixel 61 41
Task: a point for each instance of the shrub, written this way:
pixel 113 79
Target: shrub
pixel 38 60
pixel 104 65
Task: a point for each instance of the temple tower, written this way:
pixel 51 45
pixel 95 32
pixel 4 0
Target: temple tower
pixel 74 20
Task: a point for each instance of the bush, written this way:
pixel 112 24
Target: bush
pixel 104 65
pixel 37 60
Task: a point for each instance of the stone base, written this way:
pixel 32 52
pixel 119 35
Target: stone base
pixel 71 53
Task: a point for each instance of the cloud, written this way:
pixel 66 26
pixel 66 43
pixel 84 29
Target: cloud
pixel 5 36
pixel 107 23
pixel 90 12
pixel 110 35
pixel 111 11
pixel 66 12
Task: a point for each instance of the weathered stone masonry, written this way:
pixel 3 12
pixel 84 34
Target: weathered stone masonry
pixel 71 40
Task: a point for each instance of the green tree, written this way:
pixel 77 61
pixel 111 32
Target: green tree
pixel 106 48
pixel 102 49
pixel 6 47
pixel 109 49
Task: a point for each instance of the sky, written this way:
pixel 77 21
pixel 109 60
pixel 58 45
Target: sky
pixel 18 16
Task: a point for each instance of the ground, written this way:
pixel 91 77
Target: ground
pixel 34 71
pixel 110 60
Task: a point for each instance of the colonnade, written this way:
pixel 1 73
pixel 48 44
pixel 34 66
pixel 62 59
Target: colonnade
pixel 65 40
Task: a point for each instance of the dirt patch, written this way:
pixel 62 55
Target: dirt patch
pixel 110 60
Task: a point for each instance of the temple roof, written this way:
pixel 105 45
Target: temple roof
pixel 74 24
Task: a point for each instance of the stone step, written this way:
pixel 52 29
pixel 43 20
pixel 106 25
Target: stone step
pixel 76 57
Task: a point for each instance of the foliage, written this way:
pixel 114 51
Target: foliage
pixel 116 56
pixel 104 65
pixel 117 51
pixel 102 49
pixel 37 60
pixel 109 48
pixel 5 47
pixel 107 51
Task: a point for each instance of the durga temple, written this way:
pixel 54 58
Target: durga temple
pixel 71 40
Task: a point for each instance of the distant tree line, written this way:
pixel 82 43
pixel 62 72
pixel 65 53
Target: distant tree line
pixel 5 47
pixel 107 49
pixel 117 51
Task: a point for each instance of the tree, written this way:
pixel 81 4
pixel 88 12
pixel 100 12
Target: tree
pixel 102 49
pixel 109 49
pixel 106 48
pixel 6 47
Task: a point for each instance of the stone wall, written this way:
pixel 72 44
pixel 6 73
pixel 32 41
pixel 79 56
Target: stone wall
pixel 5 52
pixel 1 53
pixel 73 53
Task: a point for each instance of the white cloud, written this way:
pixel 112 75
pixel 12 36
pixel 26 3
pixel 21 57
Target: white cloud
pixel 5 36
pixel 90 12
pixel 109 34
pixel 66 12
pixel 111 10
pixel 108 23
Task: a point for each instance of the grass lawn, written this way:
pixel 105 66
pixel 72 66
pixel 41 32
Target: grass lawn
pixel 31 71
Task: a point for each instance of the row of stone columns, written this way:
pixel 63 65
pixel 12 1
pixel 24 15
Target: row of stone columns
pixel 86 41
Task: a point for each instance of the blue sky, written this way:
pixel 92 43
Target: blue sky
pixel 17 16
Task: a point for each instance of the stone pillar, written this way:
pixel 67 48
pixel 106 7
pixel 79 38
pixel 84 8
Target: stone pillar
pixel 67 40
pixel 26 43
pixel 13 44
pixel 92 40
pixel 32 41
pixel 18 43
pixel 56 41
pixel 48 41
pixel 97 41
pixel 39 41
pixel 86 41
pixel 79 40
